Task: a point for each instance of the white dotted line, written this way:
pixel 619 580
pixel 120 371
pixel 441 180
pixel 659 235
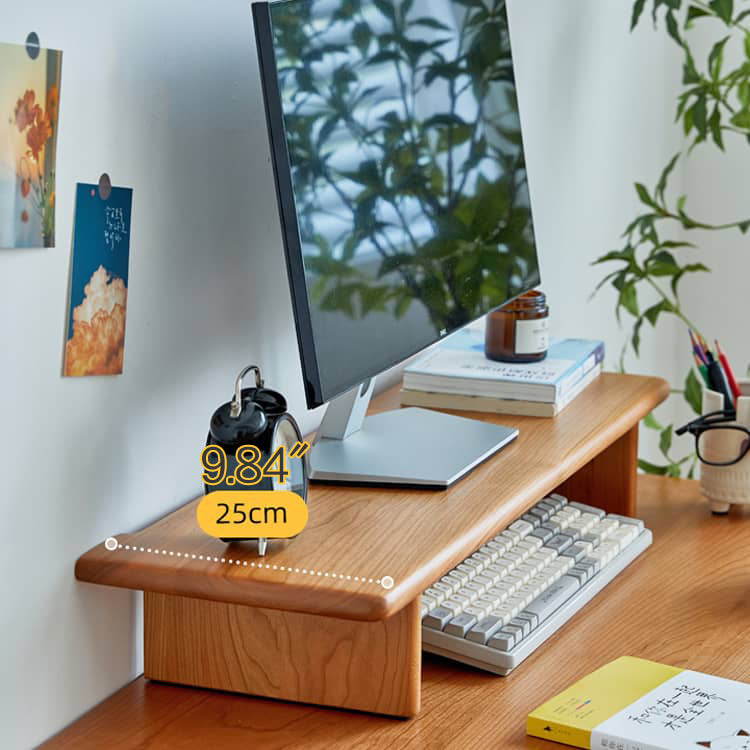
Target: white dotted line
pixel 112 544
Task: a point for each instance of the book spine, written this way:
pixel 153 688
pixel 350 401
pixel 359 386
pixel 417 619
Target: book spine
pixel 595 358
pixel 557 732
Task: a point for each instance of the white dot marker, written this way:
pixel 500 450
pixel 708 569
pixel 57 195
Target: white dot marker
pixel 387 582
pixel 110 543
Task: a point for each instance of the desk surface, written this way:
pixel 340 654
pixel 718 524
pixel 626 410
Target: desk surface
pixel 356 536
pixel 684 602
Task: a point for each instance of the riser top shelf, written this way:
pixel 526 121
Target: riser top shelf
pixel 356 536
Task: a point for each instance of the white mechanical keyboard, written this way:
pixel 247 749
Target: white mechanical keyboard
pixel 501 603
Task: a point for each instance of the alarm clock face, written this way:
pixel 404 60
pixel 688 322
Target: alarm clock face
pixel 287 434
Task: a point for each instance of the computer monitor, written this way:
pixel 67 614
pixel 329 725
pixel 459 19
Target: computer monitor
pixel 404 204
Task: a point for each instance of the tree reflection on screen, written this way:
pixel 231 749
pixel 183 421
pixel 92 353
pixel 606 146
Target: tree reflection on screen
pixel 406 155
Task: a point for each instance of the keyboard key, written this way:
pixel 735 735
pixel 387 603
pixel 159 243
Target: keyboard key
pixel 624 535
pixel 485 629
pixel 438 618
pixel 454 606
pixel 530 543
pixel 445 588
pixel 473 563
pixel 598 512
pixel 466 595
pixel 556 595
pixel 559 500
pixel 590 538
pixel 548 506
pixel 511 537
pixel 523 528
pixel 625 519
pixel 492 552
pixel 482 558
pixel 540 513
pixel 485 603
pixel 577 551
pixel 553 526
pixel 515 629
pixel 456 579
pixel 559 543
pixel 535 521
pixel 579 570
pixel 452 584
pixel 525 626
pixel 504 613
pixel 502 640
pixel 473 585
pixel 532 619
pixel 468 570
pixel 572 532
pixel 461 624
pixel 592 562
pixel 546 553
pixel 580 575
pixel 541 533
pixel 561 520
pixel 501 546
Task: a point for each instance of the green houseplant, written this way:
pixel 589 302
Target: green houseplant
pixel 713 105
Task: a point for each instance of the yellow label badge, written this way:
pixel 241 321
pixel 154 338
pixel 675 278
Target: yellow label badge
pixel 275 514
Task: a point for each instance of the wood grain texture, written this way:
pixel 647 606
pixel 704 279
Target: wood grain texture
pixel 684 602
pixel 368 666
pixel 414 536
pixel 609 479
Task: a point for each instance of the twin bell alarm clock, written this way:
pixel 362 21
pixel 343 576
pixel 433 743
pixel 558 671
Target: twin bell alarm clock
pixel 257 417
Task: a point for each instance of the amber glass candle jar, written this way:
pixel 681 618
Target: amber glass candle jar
pixel 519 331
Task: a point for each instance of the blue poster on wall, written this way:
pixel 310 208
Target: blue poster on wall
pixel 98 282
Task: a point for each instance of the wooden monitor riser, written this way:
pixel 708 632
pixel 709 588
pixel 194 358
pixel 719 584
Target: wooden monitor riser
pixel 332 635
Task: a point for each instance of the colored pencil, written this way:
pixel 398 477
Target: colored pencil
pixel 728 372
pixel 697 348
pixel 701 368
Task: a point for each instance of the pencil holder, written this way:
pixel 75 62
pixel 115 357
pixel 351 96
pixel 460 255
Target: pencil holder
pixel 724 486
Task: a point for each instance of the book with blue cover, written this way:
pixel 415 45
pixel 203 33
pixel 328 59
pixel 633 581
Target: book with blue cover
pixel 459 366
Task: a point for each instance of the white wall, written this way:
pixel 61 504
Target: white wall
pixel 597 107
pixel 165 97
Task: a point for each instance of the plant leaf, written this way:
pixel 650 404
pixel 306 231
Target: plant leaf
pixel 665 441
pixel 693 391
pixel 638 7
pixel 650 468
pixel 651 422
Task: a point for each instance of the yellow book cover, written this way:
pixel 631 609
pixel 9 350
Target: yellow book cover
pixel 635 704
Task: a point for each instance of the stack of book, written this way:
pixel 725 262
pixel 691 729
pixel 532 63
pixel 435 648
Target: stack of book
pixel 457 375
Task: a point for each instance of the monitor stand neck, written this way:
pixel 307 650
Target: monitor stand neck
pixel 403 447
pixel 345 415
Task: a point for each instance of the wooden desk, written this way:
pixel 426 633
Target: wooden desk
pixel 311 621
pixel 685 602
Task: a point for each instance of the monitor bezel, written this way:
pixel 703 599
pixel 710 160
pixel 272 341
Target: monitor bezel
pixel 314 391
pixel 286 203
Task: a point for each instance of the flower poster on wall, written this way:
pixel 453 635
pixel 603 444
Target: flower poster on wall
pixel 29 104
pixel 98 282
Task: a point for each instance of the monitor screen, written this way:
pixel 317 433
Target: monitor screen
pixel 400 174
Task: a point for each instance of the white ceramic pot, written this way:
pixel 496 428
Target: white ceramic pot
pixel 724 486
